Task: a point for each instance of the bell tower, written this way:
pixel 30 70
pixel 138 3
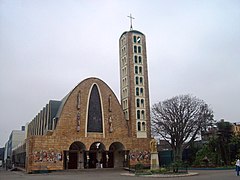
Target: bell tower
pixel 134 82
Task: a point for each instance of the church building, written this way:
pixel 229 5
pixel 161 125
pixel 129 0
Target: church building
pixel 89 127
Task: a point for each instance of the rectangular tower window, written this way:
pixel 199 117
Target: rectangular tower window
pixel 137 91
pixel 138 39
pixel 136 80
pixel 138 114
pixel 141 80
pixel 135 59
pixel 135 49
pixel 138 103
pixel 140 59
pixel 136 70
pixel 139 126
pixel 140 70
pixel 134 39
pixel 139 49
pixel 141 91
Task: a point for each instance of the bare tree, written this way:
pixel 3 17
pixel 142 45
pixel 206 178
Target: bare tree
pixel 179 120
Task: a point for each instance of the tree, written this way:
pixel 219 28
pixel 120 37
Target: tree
pixel 209 151
pixel 222 146
pixel 224 139
pixel 179 121
pixel 235 144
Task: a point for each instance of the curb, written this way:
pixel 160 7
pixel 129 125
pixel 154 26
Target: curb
pixel 162 175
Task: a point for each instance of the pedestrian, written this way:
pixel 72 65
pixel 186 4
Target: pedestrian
pixel 238 166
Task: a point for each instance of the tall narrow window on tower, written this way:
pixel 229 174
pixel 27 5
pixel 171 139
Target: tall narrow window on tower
pixel 139 49
pixel 135 49
pixel 134 39
pixel 138 40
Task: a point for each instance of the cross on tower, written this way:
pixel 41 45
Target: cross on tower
pixel 131 18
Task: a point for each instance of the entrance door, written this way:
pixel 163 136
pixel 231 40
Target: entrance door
pixel 73 159
pixel 111 159
pixel 92 159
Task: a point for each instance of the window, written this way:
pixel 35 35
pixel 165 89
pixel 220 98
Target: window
pixel 135 59
pixel 141 80
pixel 138 103
pixel 126 114
pixel 141 91
pixel 142 103
pixel 143 126
pixel 140 59
pixel 139 126
pixel 125 102
pixel 134 39
pixel 138 39
pixel 136 78
pixel 123 41
pixel 138 114
pixel 124 92
pixel 137 91
pixel 136 70
pixel 125 71
pixel 139 49
pixel 124 81
pixel 95 121
pixel 135 49
pixel 143 114
pixel 140 70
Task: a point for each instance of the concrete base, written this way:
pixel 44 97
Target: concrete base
pixel 154 161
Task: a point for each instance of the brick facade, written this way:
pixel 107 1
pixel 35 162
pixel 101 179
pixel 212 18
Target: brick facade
pixel 66 130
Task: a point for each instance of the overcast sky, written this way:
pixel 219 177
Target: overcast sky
pixel 48 46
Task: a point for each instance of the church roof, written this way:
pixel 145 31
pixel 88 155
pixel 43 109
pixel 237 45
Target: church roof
pixel 63 101
pixel 62 104
pixel 133 31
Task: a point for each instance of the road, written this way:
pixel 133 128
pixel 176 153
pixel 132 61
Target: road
pixel 107 174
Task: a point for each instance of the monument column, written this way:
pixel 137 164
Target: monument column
pixel 154 154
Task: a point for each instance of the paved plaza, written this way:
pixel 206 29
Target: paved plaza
pixel 116 174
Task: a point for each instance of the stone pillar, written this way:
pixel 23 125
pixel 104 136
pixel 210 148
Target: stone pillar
pixel 154 154
pixel 107 158
pixel 87 153
pixel 99 157
pixel 67 159
pixel 80 160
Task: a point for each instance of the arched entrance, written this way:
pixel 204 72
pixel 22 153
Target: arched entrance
pixel 118 156
pixel 95 155
pixel 74 158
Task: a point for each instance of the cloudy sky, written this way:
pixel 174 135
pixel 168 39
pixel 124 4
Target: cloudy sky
pixel 48 46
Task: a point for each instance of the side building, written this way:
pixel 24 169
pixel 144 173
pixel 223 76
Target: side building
pixel 2 156
pixel 236 128
pixel 45 121
pixel 16 137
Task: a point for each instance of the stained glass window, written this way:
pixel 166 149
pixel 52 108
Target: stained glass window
pixel 94 112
